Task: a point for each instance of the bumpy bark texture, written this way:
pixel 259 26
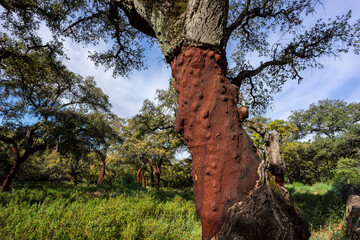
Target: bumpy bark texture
pixel 225 161
pixel 230 180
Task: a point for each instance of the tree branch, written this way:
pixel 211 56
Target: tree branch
pixel 136 19
pixel 7 140
pixel 250 73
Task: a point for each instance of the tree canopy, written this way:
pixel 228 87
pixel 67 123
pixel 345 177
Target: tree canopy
pixel 250 26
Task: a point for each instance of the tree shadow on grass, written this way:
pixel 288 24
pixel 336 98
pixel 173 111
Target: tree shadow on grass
pixel 318 209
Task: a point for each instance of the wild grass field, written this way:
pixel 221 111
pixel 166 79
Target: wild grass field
pixel 47 211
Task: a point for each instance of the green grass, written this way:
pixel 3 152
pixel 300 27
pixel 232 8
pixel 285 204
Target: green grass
pixel 48 211
pixel 322 207
pixel 65 212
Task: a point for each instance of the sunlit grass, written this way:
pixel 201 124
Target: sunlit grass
pixel 97 213
pixel 322 207
pixel 46 211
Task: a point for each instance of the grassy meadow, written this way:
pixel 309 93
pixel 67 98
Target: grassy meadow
pixel 48 211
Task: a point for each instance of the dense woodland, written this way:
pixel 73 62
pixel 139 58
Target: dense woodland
pixel 318 144
pixel 57 127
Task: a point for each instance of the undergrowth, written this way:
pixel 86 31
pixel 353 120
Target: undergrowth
pixel 322 207
pixel 65 212
pixel 48 211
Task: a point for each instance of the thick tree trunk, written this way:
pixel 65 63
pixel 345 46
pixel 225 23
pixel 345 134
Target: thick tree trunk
pixel 102 173
pixel 15 167
pixel 226 166
pixel 225 162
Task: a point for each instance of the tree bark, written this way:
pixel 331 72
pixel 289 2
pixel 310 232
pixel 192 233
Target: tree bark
pixel 18 160
pixel 277 166
pixel 275 163
pixel 226 166
pixel 157 172
pixel 352 199
pixel 102 172
pixel 225 162
pixel 140 174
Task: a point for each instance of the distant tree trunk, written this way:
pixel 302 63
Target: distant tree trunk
pixel 152 179
pixel 277 166
pixel 226 167
pixel 18 160
pixel 157 172
pixel 102 172
pixel 140 174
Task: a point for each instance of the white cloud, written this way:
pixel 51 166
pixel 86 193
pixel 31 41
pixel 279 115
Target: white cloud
pixel 339 79
pixel 126 94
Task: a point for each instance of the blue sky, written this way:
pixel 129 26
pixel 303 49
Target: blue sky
pixel 339 79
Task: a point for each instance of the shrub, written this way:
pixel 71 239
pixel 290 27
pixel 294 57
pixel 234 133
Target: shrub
pixel 348 171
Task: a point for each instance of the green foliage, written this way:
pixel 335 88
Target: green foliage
pixel 334 128
pixel 97 213
pixel 348 171
pixel 150 136
pixel 42 101
pixel 88 22
pixel 326 118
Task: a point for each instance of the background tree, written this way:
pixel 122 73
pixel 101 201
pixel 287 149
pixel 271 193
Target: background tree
pixel 333 127
pixel 326 118
pixel 150 138
pixel 104 134
pixel 36 89
pixel 193 36
pixel 270 139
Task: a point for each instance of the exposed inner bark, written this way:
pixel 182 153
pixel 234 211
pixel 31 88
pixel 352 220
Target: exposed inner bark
pixel 102 173
pixel 140 174
pixel 74 178
pixel 157 172
pixel 225 161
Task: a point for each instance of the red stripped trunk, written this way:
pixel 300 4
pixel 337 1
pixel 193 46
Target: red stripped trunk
pixel 140 174
pixel 225 161
pixel 157 172
pixel 15 167
pixel 102 173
